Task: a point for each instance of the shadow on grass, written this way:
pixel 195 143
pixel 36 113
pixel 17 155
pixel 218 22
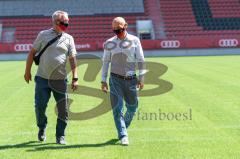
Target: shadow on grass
pixel 57 147
pixel 29 144
pixel 41 146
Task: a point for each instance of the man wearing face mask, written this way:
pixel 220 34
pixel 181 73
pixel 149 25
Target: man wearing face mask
pixel 51 74
pixel 124 52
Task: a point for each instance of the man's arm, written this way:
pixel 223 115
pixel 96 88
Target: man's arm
pixel 104 76
pixel 27 75
pixel 73 63
pixel 105 66
pixel 141 64
pixel 37 44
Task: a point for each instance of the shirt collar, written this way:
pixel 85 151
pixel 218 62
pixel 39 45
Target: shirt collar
pixel 55 32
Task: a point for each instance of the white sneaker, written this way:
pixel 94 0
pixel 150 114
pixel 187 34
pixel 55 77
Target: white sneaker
pixel 125 141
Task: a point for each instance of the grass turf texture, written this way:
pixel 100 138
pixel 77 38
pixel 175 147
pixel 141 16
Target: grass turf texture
pixel 209 86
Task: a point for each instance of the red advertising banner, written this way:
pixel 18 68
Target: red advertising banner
pixel 146 44
pixel 199 43
pixel 86 46
pixel 7 48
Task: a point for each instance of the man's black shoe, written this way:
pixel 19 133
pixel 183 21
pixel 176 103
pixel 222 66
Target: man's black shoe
pixel 42 134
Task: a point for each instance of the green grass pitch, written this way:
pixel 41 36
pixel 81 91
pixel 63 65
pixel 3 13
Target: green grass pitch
pixel 209 86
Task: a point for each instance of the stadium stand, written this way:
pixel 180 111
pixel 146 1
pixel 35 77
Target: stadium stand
pixel 85 28
pixel 177 23
pixel 196 18
pixel 80 7
pixel 205 17
pixel 225 9
pixel 28 22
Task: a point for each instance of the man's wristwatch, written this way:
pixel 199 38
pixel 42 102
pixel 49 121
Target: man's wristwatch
pixel 74 79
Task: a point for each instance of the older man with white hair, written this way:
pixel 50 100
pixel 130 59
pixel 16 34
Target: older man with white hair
pixel 124 52
pixel 56 45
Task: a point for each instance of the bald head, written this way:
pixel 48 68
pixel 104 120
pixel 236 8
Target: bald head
pixel 119 22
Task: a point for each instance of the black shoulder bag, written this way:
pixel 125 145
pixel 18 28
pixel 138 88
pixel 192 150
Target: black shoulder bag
pixel 36 58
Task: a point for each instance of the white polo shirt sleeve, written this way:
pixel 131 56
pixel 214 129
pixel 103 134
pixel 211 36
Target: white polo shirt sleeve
pixel 72 49
pixel 105 67
pixel 140 60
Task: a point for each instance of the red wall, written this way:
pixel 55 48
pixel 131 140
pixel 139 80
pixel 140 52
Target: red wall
pixel 147 45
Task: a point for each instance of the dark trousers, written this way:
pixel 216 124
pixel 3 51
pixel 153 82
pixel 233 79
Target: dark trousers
pixel 43 90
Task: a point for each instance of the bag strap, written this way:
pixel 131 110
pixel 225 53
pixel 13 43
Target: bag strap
pixel 48 44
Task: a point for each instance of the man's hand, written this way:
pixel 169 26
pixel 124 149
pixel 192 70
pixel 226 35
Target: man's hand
pixel 28 77
pixel 74 85
pixel 140 85
pixel 73 64
pixel 104 87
